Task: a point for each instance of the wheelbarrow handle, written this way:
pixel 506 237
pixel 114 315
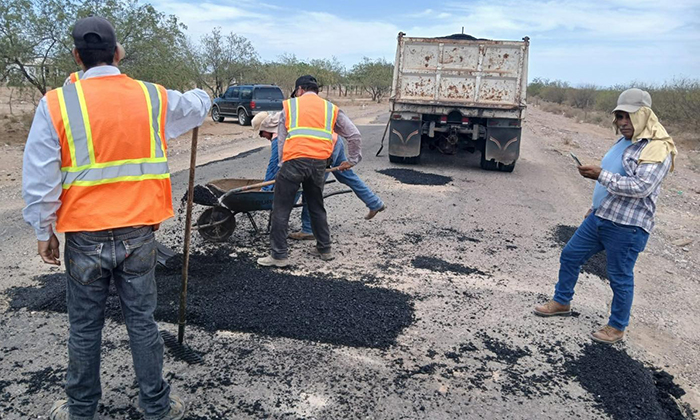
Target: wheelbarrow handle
pixel 266 183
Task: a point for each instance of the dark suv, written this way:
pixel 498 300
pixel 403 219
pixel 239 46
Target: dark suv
pixel 244 101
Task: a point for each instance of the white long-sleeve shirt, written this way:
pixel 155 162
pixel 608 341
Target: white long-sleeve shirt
pixel 41 172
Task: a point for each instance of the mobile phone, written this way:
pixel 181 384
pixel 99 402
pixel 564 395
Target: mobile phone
pixel 573 156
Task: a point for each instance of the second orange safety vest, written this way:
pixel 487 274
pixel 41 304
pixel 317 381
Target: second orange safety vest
pixel 309 120
pixel 113 153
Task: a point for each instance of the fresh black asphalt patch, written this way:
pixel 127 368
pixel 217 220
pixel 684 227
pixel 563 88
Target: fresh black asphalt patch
pixel 412 177
pixel 623 387
pixel 596 265
pixel 234 294
pixel 442 266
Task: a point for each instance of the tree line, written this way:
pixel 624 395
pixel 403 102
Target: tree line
pixel 676 102
pixel 35 51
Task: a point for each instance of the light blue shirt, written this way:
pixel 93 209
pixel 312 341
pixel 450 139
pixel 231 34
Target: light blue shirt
pixel 612 162
pixel 272 165
pixel 41 172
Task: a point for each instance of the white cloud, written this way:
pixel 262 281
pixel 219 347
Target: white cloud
pixel 580 41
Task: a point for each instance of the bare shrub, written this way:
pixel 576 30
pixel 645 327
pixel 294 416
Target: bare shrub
pixel 677 103
pixel 556 94
pixel 582 97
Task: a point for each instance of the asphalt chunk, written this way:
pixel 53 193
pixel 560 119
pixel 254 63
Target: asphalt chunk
pixel 596 265
pixel 43 380
pixel 201 195
pixel 625 388
pixel 442 266
pixel 412 177
pixel 234 294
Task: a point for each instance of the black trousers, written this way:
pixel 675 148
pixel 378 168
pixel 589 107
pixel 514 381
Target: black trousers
pixel 310 175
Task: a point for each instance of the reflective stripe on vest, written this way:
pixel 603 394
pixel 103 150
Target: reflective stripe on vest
pixel 295 130
pixel 74 77
pixel 84 170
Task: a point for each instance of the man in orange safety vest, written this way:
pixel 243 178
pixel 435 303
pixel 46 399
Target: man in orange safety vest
pixel 305 145
pixel 96 169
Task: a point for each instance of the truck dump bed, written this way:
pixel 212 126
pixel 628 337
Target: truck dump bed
pixel 460 72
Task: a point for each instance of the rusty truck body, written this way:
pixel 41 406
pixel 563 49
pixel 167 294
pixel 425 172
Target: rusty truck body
pixel 458 92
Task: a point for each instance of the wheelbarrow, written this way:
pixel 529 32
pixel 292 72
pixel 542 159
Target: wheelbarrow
pixel 227 197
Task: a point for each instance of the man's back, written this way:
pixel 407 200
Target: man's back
pixel 113 163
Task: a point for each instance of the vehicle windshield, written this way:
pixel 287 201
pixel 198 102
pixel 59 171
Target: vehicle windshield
pixel 268 93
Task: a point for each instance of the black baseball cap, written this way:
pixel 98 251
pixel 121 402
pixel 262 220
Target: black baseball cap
pixel 304 81
pixel 107 37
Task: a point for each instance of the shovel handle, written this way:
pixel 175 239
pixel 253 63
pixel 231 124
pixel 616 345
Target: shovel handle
pixel 266 183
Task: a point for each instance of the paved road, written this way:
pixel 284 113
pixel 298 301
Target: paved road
pixel 425 314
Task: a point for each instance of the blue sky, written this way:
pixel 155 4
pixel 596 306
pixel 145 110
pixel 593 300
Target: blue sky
pixel 601 42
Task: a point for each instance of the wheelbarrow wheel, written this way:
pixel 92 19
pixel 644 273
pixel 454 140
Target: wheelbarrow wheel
pixel 216 224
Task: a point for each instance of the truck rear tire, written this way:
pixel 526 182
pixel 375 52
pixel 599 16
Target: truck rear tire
pixel 506 168
pixel 415 160
pixel 488 165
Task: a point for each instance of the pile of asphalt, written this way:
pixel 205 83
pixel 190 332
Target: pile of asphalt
pixel 234 294
pixel 596 265
pixel 625 388
pixel 411 177
pixel 201 195
pixel 442 266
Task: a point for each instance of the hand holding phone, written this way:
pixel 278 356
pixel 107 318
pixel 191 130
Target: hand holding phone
pixel 578 162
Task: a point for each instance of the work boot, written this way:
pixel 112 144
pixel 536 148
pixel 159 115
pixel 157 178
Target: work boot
pixel 325 256
pixel 608 335
pixel 373 213
pixel 59 411
pixel 177 409
pixel 301 236
pixel 552 308
pixel 269 261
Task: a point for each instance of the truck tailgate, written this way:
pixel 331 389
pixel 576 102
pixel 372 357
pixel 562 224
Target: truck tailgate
pixel 454 72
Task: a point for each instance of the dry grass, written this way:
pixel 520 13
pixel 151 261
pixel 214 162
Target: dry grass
pixel 676 102
pixel 603 119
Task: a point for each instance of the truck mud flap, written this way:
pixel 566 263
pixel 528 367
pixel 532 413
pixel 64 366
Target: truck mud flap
pixel 404 138
pixel 502 145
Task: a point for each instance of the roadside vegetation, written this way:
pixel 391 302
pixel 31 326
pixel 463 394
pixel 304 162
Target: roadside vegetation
pixel 676 102
pixel 35 56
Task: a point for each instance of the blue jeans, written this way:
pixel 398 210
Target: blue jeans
pixel 128 256
pixel 349 178
pixel 622 245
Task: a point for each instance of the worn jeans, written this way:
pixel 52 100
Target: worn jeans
pixel 127 256
pixel 622 245
pixel 310 175
pixel 349 178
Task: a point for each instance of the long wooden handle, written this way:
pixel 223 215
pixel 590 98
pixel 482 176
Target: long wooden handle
pixel 265 184
pixel 188 233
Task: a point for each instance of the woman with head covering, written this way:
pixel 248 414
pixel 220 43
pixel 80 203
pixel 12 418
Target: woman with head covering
pixel 621 217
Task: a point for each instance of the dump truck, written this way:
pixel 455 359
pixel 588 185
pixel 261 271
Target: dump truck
pixel 458 93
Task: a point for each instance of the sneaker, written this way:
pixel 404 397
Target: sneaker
pixel 608 335
pixel 373 213
pixel 301 236
pixel 59 410
pixel 325 256
pixel 269 261
pixel 552 308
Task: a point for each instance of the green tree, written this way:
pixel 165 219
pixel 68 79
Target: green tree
pixel 226 59
pixel 35 41
pixel 374 76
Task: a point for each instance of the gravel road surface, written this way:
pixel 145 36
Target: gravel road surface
pixel 424 314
